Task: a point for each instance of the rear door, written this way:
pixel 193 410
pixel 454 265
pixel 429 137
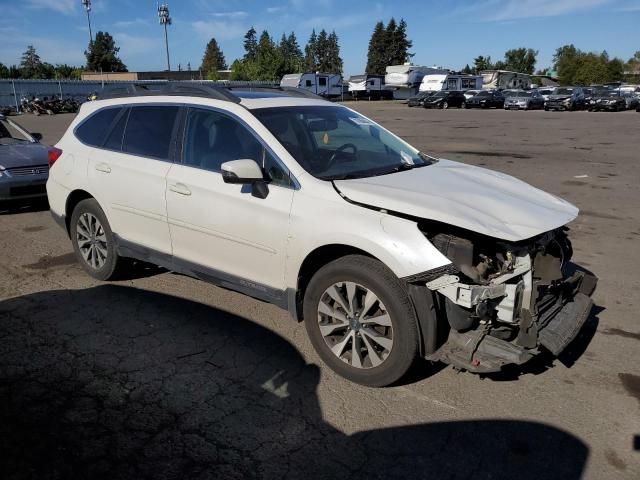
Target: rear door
pixel 128 175
pixel 220 230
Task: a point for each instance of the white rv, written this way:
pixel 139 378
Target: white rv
pixel 323 84
pixel 405 80
pixel 502 79
pixel 443 81
pixel 368 86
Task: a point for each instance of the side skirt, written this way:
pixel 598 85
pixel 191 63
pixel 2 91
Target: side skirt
pixel 258 291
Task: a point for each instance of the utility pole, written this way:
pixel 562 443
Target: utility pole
pixel 165 19
pixel 87 6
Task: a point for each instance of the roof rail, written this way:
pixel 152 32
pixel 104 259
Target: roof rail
pixel 291 91
pixel 169 88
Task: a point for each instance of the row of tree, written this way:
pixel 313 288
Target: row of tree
pixel 102 55
pixel 266 59
pixel 572 65
pixel 388 45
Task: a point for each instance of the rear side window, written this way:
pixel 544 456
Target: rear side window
pixel 114 140
pixel 93 130
pixel 149 131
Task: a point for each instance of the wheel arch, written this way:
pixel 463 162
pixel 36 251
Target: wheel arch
pixel 74 198
pixel 315 260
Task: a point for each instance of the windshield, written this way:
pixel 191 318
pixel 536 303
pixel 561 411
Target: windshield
pixel 564 91
pixel 483 94
pixel 10 134
pixel 441 94
pixel 333 142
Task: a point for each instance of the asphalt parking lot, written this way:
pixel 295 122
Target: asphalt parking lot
pixel 166 377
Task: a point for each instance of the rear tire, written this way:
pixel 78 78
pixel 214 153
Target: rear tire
pixel 445 105
pixel 93 241
pixel 369 329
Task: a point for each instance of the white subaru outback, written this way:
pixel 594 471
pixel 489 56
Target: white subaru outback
pixel 385 252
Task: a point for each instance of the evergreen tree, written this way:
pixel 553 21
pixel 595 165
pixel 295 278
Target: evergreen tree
pixel 4 71
pixel 482 63
pixel 467 69
pixel 268 59
pixel 390 42
pixel 103 54
pixel 333 61
pixel 30 64
pixel 250 44
pixel 401 45
pixel 322 50
pixel 291 54
pixel 376 56
pixel 213 60
pixel 311 54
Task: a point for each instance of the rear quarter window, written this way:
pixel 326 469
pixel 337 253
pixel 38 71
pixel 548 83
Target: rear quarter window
pixel 94 129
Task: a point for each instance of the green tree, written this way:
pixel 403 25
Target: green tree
pixel 400 45
pixel 376 58
pixel 615 69
pixel 521 60
pixel 311 53
pixel 4 71
pixel 30 63
pixel 565 62
pixel 332 61
pixel 467 69
pixel 213 60
pixel 103 54
pixel 250 44
pixel 268 59
pixel 293 60
pixel 481 63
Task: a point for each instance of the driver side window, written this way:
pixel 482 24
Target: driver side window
pixel 212 138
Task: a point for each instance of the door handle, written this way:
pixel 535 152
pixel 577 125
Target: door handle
pixel 180 188
pixel 103 167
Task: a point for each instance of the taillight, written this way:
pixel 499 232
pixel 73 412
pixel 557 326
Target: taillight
pixel 53 154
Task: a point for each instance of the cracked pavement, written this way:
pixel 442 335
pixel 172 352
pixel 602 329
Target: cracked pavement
pixel 162 376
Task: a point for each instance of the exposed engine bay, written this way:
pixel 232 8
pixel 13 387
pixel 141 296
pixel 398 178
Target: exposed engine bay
pixel 505 300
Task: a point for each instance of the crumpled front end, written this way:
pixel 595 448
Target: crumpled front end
pixel 504 302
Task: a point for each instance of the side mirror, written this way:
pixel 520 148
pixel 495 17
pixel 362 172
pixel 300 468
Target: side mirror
pixel 37 136
pixel 243 172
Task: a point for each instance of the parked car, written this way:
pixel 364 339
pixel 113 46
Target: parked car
pixel 470 93
pixel 607 100
pixel 546 92
pixel 631 101
pixel 566 98
pixel 593 92
pixel 524 99
pixel 418 100
pixel 445 99
pixel 23 163
pixel 486 99
pixel 385 252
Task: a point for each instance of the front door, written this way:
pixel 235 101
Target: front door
pixel 220 230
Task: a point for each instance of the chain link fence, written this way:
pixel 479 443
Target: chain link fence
pixel 12 91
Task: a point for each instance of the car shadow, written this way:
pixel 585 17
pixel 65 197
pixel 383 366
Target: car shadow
pixel 13 207
pixel 117 382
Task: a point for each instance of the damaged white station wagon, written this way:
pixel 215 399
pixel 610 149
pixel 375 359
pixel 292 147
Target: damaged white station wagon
pixel 385 252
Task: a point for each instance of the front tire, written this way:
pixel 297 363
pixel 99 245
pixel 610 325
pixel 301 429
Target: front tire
pixel 361 321
pixel 445 105
pixel 93 241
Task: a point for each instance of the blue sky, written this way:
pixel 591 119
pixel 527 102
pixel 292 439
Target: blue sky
pixel 448 33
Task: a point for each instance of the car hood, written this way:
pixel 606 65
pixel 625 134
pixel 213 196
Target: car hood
pixel 559 97
pixel 473 198
pixel 23 155
pixel 517 99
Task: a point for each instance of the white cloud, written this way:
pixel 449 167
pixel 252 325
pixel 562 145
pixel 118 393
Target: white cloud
pixel 220 30
pixel 236 14
pixel 503 10
pixel 132 45
pixel 275 9
pixel 67 7
pixel 132 23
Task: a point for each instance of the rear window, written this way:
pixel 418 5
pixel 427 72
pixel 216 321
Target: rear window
pixel 149 131
pixel 93 130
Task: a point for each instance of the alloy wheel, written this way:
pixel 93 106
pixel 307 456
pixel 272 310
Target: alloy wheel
pixel 92 240
pixel 355 325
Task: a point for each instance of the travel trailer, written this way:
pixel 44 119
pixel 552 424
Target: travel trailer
pixel 502 79
pixel 323 84
pixel 451 81
pixel 368 86
pixel 405 80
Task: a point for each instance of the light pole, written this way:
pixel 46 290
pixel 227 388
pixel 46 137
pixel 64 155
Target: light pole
pixel 87 6
pixel 165 19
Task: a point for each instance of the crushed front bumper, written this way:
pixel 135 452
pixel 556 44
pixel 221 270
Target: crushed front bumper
pixel 555 323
